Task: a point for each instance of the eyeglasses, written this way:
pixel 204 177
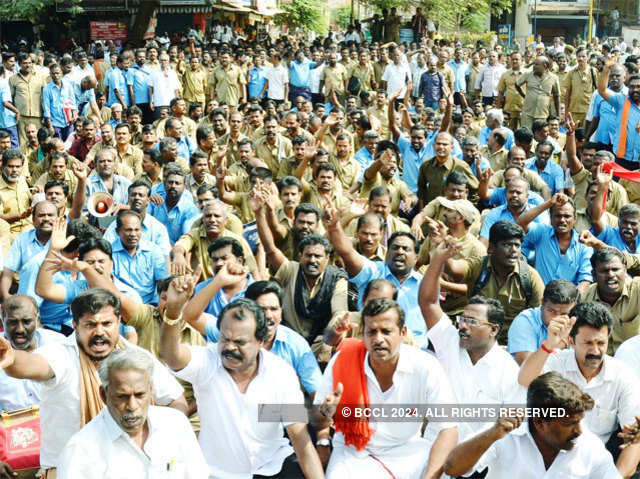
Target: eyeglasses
pixel 471 321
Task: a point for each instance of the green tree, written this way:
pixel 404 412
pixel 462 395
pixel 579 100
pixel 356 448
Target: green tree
pixel 305 14
pixel 469 15
pixel 342 16
pixel 32 10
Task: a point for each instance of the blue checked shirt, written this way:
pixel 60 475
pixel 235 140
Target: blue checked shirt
pixel 53 99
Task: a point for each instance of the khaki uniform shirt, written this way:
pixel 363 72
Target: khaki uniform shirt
pixel 16 199
pixel 196 242
pixel 536 183
pixel 513 102
pixel 432 176
pixel 194 85
pixel 616 198
pixel 540 91
pixel 448 74
pixel 348 172
pixel 563 81
pixel 311 195
pixel 189 127
pixel 625 311
pixel 193 185
pixel 382 115
pixel 497 160
pixel 583 222
pixel 132 158
pixel 329 141
pixel 396 187
pixel 435 211
pixel 232 147
pixel 69 178
pixel 335 77
pixel 286 276
pixel 27 93
pixel 582 86
pixel 229 84
pixel 237 178
pixel 364 74
pixel 147 178
pixel 274 155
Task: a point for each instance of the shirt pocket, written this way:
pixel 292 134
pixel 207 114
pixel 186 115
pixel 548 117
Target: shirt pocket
pixel 170 469
pixel 602 421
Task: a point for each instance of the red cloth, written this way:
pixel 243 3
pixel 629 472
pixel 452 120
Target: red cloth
pixel 621 172
pixel 348 369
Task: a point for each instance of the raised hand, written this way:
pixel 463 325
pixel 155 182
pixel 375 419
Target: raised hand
pixel 558 332
pixel 570 125
pixel 255 201
pixel 343 324
pixel 181 289
pixel 80 171
pixel 229 274
pixel 603 178
pixel 7 354
pixel 59 240
pixel 559 199
pixel 448 248
pixel 221 172
pixel 505 425
pixel 587 238
pixel 61 263
pixel 331 216
pixel 630 434
pixel 330 404
pixel 332 119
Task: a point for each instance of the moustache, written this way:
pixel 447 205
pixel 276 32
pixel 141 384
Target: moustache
pixel 131 417
pixel 95 339
pixel 232 354
pixel 593 356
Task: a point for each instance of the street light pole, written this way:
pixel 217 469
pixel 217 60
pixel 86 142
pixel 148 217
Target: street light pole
pixel 535 22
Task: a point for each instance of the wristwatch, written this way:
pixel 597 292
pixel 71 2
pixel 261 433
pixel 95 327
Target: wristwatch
pixel 325 442
pixel 171 322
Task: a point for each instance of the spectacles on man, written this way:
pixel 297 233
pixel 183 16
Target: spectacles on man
pixel 471 321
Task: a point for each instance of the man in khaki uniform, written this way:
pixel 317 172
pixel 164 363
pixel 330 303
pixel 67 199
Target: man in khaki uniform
pixel 363 71
pixel 127 153
pixel 26 90
pixel 380 111
pixel 233 137
pixel 273 148
pixel 581 83
pixel 333 81
pixel 227 82
pixel 508 97
pixel 542 87
pixel 562 72
pixel 15 197
pixel 194 82
pixel 447 72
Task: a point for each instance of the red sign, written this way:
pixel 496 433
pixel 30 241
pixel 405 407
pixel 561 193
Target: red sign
pixel 108 31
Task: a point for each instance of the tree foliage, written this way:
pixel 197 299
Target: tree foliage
pixel 467 15
pixel 342 16
pixel 31 10
pixel 304 14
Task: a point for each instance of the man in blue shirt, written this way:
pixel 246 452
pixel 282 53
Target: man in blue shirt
pixel 549 171
pixel 28 244
pixel 300 77
pixel 398 267
pixel 8 111
pixel 256 79
pixel 431 85
pixel 175 129
pixel 142 85
pixel 602 117
pixel 364 156
pixel 460 72
pixel 104 179
pixel 559 254
pixel 58 96
pixel 495 119
pixel 136 262
pixel 173 207
pixel 529 328
pixel 118 82
pixel 627 152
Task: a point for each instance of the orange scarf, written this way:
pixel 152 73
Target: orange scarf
pixel 622 143
pixel 90 401
pixel 349 370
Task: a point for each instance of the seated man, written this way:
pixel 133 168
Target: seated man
pixel 113 442
pixel 561 446
pixel 380 370
pixel 549 171
pixel 231 379
pixel 529 328
pixel 587 328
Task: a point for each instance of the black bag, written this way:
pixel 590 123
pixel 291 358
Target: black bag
pixel 354 85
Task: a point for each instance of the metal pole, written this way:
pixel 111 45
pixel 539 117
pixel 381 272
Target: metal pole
pixel 535 22
pixel 589 33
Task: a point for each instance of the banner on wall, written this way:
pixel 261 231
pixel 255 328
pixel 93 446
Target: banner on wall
pixel 108 31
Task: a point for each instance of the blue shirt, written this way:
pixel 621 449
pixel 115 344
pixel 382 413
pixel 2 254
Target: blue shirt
pixel 23 248
pixel 407 293
pixel 300 73
pixel 152 231
pixel 431 86
pixel 616 100
pixel 117 79
pixel 502 213
pixel 527 331
pixel 574 265
pixel 53 100
pixel 484 164
pixel 256 82
pixel 295 350
pixel 553 174
pixel 74 288
pixel 499 197
pixel 485 131
pixel 87 96
pixel 142 270
pixel 7 117
pixel 460 71
pixel 186 146
pixel 364 158
pixel 176 220
pixel 612 237
pixel 608 123
pixel 141 80
pixel 412 160
pixel 120 191
pixel 216 304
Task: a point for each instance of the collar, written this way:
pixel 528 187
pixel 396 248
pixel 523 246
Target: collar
pixel 404 365
pixel 142 246
pixel 447 165
pixel 605 374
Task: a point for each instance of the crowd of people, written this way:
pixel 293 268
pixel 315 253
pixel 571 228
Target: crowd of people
pixel 208 233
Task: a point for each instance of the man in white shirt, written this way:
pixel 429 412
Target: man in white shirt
pixel 20 320
pixel 68 377
pixel 480 370
pixel 164 87
pixel 394 373
pixel 488 79
pixel 541 447
pixel 610 382
pixel 277 77
pixel 629 352
pixel 231 379
pixel 396 75
pixel 131 438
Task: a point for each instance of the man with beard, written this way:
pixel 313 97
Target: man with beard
pixel 398 267
pixel 15 196
pixel 602 116
pixel 217 119
pixel 347 169
pixel 333 81
pixel 292 123
pixel 137 262
pixel 281 219
pixel 587 329
pixel 230 378
pixel 177 207
pixel 503 274
pixel 517 192
pixel 559 254
pixel 303 151
pixel 625 236
pixel 551 172
pixel 306 221
pixel 471 356
pixel 127 153
pixel 28 244
pixel 68 376
pixel 107 139
pixel 314 290
pixel 554 446
pixel 214 224
pixel 273 148
pixel 105 180
pixel 21 324
pixel 324 188
pixel 129 423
